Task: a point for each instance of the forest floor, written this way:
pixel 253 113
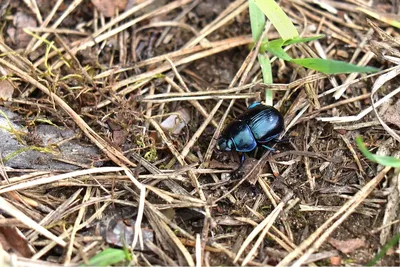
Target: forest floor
pixel 132 96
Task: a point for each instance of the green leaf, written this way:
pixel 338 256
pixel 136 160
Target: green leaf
pixel 277 44
pixel 278 18
pixel 107 257
pixel 257 20
pixel 265 67
pixel 327 66
pixel 383 160
pixel 298 40
pixel 266 70
pixel 275 48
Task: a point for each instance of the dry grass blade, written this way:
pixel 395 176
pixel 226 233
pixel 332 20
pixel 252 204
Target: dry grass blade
pixel 363 113
pixel 336 88
pixel 201 93
pixel 122 16
pixel 139 218
pixel 160 252
pixel 10 209
pixel 196 56
pixel 98 38
pixel 363 62
pixel 214 97
pixel 58 31
pixel 170 197
pixel 175 54
pixel 45 180
pixel 261 229
pixel 377 85
pixel 392 207
pixel 170 23
pixel 353 152
pixel 70 8
pixel 102 37
pixel 8 260
pixel 55 215
pixel 229 13
pixel 167 234
pixel 198 251
pixel 34 7
pixel 195 103
pixel 77 222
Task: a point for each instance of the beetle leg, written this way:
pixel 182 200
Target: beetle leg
pixel 235 173
pixel 269 148
pixel 242 158
pixel 283 140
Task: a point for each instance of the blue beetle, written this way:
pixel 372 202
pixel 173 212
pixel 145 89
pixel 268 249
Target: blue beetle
pixel 259 125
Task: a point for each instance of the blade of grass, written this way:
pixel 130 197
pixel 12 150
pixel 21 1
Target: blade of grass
pixel 383 160
pixel 257 20
pixel 331 66
pixel 298 40
pixel 266 70
pixel 107 257
pixel 278 18
pixel 275 48
pixel 390 19
pixel 280 42
pixel 325 66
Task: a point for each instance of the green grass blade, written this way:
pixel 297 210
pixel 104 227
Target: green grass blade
pixel 107 257
pixel 266 70
pixel 257 20
pixel 392 242
pixel 275 48
pixel 383 160
pixel 278 18
pixel 298 40
pixel 327 66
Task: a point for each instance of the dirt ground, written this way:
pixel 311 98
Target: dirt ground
pixel 117 73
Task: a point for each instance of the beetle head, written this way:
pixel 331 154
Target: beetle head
pixel 224 144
